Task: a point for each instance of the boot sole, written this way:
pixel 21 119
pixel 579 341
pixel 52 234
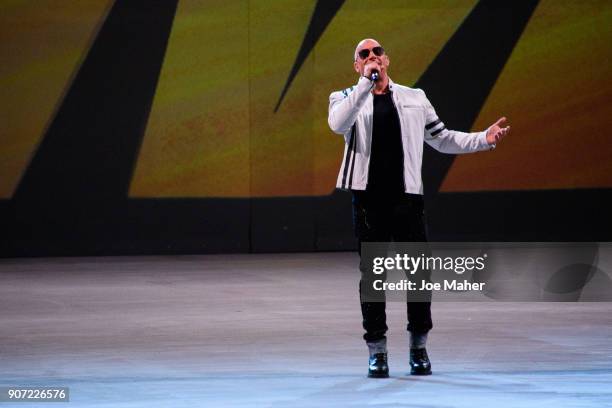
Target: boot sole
pixel 413 372
pixel 370 375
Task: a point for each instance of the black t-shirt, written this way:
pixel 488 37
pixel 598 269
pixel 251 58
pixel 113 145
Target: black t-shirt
pixel 386 172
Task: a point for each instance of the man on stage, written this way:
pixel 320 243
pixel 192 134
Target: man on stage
pixel 384 126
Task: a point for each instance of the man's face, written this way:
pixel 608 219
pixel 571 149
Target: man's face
pixel 381 61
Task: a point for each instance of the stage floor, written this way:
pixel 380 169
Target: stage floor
pixel 279 331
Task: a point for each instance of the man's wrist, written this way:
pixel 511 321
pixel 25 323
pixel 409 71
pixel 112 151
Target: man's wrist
pixel 484 141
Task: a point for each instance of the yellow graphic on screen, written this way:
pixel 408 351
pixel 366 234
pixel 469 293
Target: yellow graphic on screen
pixel 41 46
pixel 556 89
pixel 212 130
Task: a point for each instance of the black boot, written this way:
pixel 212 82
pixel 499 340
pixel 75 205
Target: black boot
pixel 419 362
pixel 378 367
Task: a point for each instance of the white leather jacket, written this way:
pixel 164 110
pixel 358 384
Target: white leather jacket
pixel 351 114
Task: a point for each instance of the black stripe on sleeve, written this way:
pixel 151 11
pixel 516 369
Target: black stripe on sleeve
pixel 435 132
pixel 433 124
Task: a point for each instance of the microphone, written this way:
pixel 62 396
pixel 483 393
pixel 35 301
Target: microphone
pixel 374 75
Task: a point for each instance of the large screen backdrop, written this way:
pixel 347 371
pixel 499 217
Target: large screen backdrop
pixel 182 126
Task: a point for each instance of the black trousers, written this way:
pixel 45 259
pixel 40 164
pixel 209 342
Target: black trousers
pixel 384 218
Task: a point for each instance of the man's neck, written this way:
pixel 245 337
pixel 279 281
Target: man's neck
pixel 381 87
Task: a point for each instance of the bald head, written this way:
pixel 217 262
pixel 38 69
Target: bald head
pixel 373 58
pixel 365 43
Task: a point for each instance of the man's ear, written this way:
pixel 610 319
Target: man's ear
pixel 356 66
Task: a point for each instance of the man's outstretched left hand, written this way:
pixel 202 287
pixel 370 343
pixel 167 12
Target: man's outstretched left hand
pixel 496 132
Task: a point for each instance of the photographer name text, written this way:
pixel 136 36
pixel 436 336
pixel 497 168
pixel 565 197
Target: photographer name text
pixel 425 285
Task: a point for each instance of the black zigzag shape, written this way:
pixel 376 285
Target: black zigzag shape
pixel 87 156
pixel 323 14
pixel 477 53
